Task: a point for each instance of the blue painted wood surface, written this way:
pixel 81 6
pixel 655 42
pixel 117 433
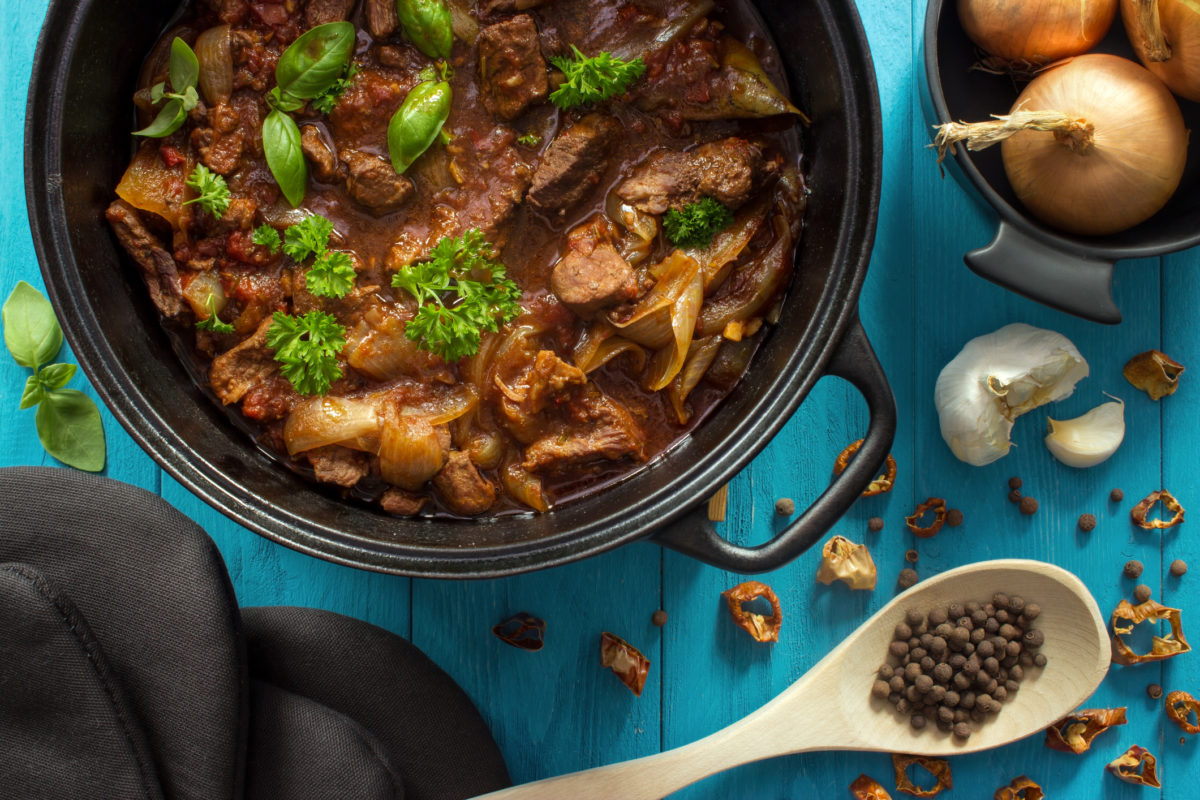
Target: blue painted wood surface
pixel 557 710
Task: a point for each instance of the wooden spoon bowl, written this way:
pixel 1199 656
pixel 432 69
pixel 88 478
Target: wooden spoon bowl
pixel 831 708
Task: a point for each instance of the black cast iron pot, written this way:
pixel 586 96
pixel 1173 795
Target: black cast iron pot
pixel 87 62
pixel 1070 273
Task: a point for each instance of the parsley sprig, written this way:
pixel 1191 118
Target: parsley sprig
pixel 183 71
pixel 593 79
pixel 697 223
pixel 212 193
pixel 332 272
pixel 213 322
pixel 326 100
pixel 462 291
pixel 267 237
pixel 306 348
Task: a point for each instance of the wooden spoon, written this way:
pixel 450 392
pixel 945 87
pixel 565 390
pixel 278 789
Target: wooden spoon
pixel 831 707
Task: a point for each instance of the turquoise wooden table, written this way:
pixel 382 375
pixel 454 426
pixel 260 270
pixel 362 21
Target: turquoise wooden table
pixel 557 710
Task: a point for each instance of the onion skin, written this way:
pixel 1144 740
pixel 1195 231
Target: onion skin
pixel 1036 32
pixel 1134 164
pixel 1180 24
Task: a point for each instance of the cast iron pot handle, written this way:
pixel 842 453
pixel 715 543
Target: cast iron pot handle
pixel 1069 282
pixel 694 535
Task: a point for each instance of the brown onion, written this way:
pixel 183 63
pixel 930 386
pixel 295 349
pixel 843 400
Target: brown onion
pixel 1034 32
pixel 409 451
pixel 216 65
pixel 324 421
pixel 1092 146
pixel 1166 37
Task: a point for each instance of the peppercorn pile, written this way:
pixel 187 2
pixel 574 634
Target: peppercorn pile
pixel 958 664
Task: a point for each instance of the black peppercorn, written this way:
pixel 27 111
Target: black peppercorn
pixel 956 661
pixel 927 664
pixel 917 653
pixel 914 618
pixel 903 631
pixel 917 721
pixel 1012 685
pixel 1016 673
pixel 999 600
pixel 945 714
pixel 911 556
pixel 985 650
pixel 923 683
pixel 962 730
pixel 1014 496
pixel 881 689
pixel 952 698
pixel 911 671
pixel 785 507
pixel 961 715
pixel 1012 650
pixel 1028 506
pixel 1039 660
pixel 1033 639
pixel 1116 495
pixel 938 616
pixel 875 524
pixel 991 626
pixel 1155 691
pixel 1178 567
pixel 898 649
pixel 967 700
pixel 1032 611
pixel 1142 593
pixel 978 635
pixel 1009 632
pixel 1014 483
pixel 1087 522
pixel 991 666
pixel 908 578
pixel 886 671
pixel 659 618
pixel 954 517
pixel 896 683
pixel 961 681
pixel 903 705
pixel 1133 569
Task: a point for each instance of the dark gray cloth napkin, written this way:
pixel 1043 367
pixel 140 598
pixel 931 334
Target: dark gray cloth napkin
pixel 125 670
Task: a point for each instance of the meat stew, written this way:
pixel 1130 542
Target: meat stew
pixel 621 336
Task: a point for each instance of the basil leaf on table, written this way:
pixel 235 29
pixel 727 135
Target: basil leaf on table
pixel 316 60
pixel 417 122
pixel 428 24
pixel 33 394
pixel 281 145
pixel 69 427
pixel 31 331
pixel 56 376
pixel 184 67
pixel 283 101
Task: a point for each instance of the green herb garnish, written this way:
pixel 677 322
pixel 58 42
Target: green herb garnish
pixel 307 237
pixel 462 291
pixel 212 193
pixel 183 71
pixel 697 223
pixel 68 422
pixel 529 140
pixel 332 273
pixel 307 347
pixel 595 79
pixel 213 322
pixel 326 100
pixel 268 237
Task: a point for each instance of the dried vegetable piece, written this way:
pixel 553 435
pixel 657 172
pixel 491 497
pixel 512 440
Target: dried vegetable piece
pixel 1162 647
pixel 1142 509
pixel 1136 766
pixel 1155 373
pixel 1180 708
pixel 867 788
pixel 625 660
pixel 522 630
pixel 1021 788
pixel 880 485
pixel 1074 734
pixel 763 629
pixel 845 561
pixel 935 504
pixel 937 767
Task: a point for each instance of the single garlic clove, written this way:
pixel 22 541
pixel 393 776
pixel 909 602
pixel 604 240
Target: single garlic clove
pixel 995 379
pixel 1090 439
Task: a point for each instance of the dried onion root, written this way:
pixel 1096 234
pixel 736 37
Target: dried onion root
pixel 1154 372
pixel 843 560
pixel 935 504
pixel 1162 647
pixel 625 660
pixel 937 767
pixel 1181 707
pixel 1074 734
pixel 867 788
pixel 763 629
pixel 523 631
pixel 1020 788
pixel 884 483
pixel 1137 766
pixel 1142 510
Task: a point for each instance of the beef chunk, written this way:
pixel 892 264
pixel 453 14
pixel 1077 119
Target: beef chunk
pixel 373 182
pixel 488 7
pixel 338 465
pixel 248 364
pixel 551 377
pixel 494 180
pixel 512 71
pixel 238 216
pixel 326 168
pixel 318 12
pixel 600 429
pixel 221 144
pixel 574 163
pixel 382 20
pixel 156 264
pixel 592 275
pixel 729 170
pixel 463 489
pixel 232 12
pixel 271 400
pixel 400 503
pixel 361 116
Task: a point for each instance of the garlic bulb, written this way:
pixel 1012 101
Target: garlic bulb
pixel 995 379
pixel 1086 441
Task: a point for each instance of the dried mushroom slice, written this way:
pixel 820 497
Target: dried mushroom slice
pixel 1162 647
pixel 1074 734
pixel 763 629
pixel 937 767
pixel 1181 707
pixel 843 560
pixel 522 630
pixel 1142 510
pixel 935 504
pixel 880 485
pixel 867 788
pixel 1021 788
pixel 625 660
pixel 1136 766
pixel 1155 373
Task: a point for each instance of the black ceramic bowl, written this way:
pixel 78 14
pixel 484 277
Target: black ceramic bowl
pixel 87 61
pixel 1070 273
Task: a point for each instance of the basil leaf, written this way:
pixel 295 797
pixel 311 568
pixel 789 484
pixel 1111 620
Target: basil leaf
pixel 281 144
pixel 416 124
pixel 33 394
pixel 316 60
pixel 167 122
pixel 31 331
pixel 184 66
pixel 428 24
pixel 157 91
pixel 56 376
pixel 68 424
pixel 283 101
